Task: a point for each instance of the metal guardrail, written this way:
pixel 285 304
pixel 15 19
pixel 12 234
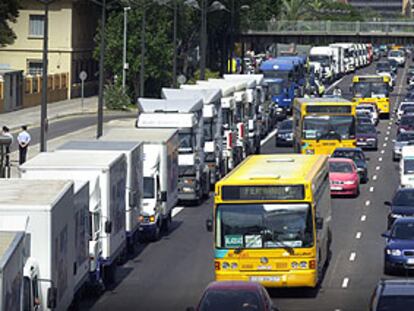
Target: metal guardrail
pixel 331 27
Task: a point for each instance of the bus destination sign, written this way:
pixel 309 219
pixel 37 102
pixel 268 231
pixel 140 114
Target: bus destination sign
pixel 261 193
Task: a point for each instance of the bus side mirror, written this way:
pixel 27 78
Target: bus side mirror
pixel 209 225
pixel 163 196
pixel 108 227
pixel 319 223
pixel 51 297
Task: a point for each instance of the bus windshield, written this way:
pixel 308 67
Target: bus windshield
pixel 328 127
pixel 370 89
pixel 264 226
pixel 275 88
pixel 274 74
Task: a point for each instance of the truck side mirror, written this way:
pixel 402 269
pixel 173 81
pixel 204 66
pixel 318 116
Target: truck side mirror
pixel 387 203
pixel 319 223
pixel 108 227
pixel 132 198
pixel 163 196
pixel 209 225
pixel 51 297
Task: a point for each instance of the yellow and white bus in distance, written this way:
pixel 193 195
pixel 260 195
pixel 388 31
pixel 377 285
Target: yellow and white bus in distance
pixel 320 125
pixel 271 221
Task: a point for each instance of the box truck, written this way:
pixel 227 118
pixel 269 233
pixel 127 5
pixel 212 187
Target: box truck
pixel 106 173
pixel 133 152
pixel 160 176
pixel 407 167
pixel 51 267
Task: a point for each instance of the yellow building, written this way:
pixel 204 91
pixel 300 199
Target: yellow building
pixel 72 26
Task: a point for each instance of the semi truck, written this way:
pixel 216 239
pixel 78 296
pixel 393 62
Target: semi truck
pixel 160 169
pixel 133 152
pixel 106 173
pixel 187 116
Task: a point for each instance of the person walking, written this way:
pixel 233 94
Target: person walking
pixel 23 139
pixel 6 132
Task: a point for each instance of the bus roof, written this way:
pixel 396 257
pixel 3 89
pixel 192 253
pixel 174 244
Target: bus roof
pixel 282 169
pixel 277 64
pixel 370 78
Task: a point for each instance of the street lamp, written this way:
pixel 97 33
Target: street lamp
pixel 124 60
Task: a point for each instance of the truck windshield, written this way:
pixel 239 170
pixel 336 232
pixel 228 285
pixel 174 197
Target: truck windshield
pixel 329 127
pixel 209 129
pixel 187 142
pixel 275 88
pixel 226 114
pixel 149 187
pixel 408 166
pixel 264 226
pixel 323 59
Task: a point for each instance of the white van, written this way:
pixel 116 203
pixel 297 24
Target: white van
pixel 407 167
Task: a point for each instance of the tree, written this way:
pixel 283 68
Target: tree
pixel 293 10
pixel 9 11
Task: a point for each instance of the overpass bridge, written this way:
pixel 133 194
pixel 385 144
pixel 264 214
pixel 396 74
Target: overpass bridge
pixel 263 33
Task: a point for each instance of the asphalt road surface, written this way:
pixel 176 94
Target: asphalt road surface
pixel 172 273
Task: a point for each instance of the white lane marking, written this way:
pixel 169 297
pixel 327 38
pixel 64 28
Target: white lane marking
pixel 384 144
pixel 392 119
pixel 334 84
pixel 363 217
pixel 371 189
pixel 390 123
pixel 176 211
pixel 269 137
pixel 378 168
pixel 380 159
pixel 382 151
pixel 345 283
pixel 358 235
pixel 352 256
pixel 388 132
pixel 386 138
pixel 367 203
pixel 374 177
pixel 389 127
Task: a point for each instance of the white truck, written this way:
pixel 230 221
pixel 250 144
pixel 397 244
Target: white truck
pixel 13 255
pixel 213 124
pixel 106 173
pixel 50 271
pixel 133 152
pixel 186 115
pixel 160 162
pixel 321 59
pixel 338 53
pixel 407 167
pixel 231 155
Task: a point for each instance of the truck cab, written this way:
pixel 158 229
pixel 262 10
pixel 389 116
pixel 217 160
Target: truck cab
pixel 321 58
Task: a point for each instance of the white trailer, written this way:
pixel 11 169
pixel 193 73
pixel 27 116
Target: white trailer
pixel 160 175
pixel 12 261
pixel 133 152
pixel 186 115
pixel 407 167
pixel 106 173
pixel 48 206
pixel 213 124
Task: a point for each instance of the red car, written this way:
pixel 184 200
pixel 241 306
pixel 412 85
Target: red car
pixel 343 177
pixel 235 296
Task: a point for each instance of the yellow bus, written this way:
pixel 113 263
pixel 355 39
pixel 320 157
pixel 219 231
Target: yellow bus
pixel 374 89
pixel 271 221
pixel 323 124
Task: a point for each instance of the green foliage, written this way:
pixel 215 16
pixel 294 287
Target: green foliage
pixel 208 75
pixel 116 98
pixel 9 11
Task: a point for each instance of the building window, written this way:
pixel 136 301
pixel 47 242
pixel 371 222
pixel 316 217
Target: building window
pixel 36 25
pixel 34 67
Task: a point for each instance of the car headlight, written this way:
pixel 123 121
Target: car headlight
pixel 394 252
pixel 370 139
pixel 395 215
pixel 188 189
pixel 349 182
pixel 360 169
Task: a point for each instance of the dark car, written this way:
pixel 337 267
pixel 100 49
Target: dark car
pixel 284 135
pixel 394 65
pixel 364 119
pixel 367 136
pixel 359 158
pixel 399 246
pixel 235 296
pixel 383 66
pixel 393 295
pixel 401 205
pixel 410 74
pixel 406 123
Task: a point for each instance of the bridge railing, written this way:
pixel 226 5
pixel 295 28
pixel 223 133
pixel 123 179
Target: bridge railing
pixel 330 27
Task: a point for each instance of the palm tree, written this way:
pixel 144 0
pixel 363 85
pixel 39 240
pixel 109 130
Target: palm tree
pixel 293 10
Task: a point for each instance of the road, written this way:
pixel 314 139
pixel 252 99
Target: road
pixel 172 273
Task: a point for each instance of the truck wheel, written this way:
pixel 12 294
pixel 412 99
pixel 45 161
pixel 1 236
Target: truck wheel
pixel 109 274
pixel 157 234
pixel 167 223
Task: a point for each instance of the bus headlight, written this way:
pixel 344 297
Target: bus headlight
pixel 225 265
pixel 234 266
pixel 294 265
pixel 303 264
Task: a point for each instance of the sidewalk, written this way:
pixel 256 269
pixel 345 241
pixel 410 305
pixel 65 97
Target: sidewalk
pixel 31 116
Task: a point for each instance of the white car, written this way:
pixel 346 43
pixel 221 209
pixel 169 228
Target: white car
pixel 401 108
pixel 371 109
pixel 398 56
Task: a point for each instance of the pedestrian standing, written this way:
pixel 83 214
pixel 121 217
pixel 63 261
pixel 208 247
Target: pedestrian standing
pixel 23 139
pixel 6 132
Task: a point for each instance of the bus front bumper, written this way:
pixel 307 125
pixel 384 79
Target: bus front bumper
pixel 299 278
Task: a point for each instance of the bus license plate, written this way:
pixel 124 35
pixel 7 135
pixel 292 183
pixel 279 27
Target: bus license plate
pixel 264 278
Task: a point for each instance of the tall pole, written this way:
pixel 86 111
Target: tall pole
pixel 142 69
pixel 43 110
pixel 203 43
pixel 231 37
pixel 124 56
pixel 174 75
pixel 99 129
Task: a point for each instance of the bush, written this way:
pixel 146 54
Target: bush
pixel 116 98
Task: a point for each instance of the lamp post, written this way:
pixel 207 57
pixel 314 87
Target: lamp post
pixel 142 67
pixel 124 58
pixel 174 74
pixel 99 128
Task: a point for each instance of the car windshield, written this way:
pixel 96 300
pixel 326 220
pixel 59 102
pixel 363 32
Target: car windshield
pixel 366 107
pixel 149 188
pixel 405 136
pixel 230 300
pixel 383 67
pixel 264 226
pixel 396 53
pixel 275 88
pixel 286 125
pixel 349 154
pixel 366 129
pixel 403 230
pixel 407 120
pixel 340 167
pixel 395 303
pixel 404 198
pixel 409 166
pixel 329 127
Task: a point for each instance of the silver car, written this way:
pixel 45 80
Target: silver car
pixel 403 139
